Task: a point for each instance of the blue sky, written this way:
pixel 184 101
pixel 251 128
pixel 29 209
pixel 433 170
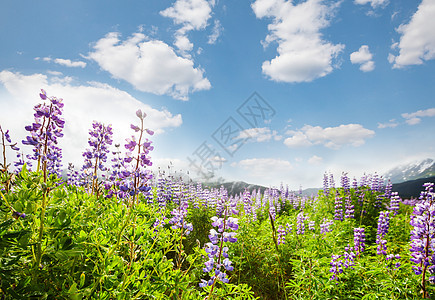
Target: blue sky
pixel 336 86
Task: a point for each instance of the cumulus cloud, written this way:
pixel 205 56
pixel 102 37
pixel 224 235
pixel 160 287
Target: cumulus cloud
pixel 417 41
pixel 373 3
pixel 83 105
pixel 259 167
pixel 363 57
pixel 315 160
pixel 303 54
pixel 149 65
pixel 183 43
pixel 260 134
pixel 298 139
pixel 331 137
pixel 415 117
pixel 191 15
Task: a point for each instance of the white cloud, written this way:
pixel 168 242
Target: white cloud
pixel 331 137
pixel 303 54
pixel 64 62
pixel 417 41
pixel 216 32
pixel 191 15
pixel 299 139
pixel 55 73
pixel 183 43
pixel 264 167
pixel 259 134
pixel 149 65
pixel 69 63
pixel 83 105
pixel 390 124
pixel 373 3
pixel 315 160
pixel 415 117
pixel 363 57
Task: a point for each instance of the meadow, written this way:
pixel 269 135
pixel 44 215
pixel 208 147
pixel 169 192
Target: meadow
pixel 112 229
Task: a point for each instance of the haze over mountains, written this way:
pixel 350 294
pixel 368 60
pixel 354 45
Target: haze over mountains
pixel 412 171
pixel 407 180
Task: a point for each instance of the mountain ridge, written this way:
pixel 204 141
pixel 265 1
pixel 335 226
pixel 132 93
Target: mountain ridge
pixel 411 171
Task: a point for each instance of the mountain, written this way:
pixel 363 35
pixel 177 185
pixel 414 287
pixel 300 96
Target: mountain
pixel 412 171
pixel 237 187
pixel 412 188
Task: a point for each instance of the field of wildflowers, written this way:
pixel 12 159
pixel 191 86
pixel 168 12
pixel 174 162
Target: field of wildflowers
pixel 114 230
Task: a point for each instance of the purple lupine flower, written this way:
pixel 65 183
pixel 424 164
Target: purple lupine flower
pixel 300 224
pixel 8 143
pixel 325 226
pixel 388 188
pixel 135 177
pixel 423 234
pixel 355 184
pixel 383 227
pixel 162 195
pixel 345 182
pixel 72 175
pixel 331 181
pixel 336 266
pixel 348 257
pixel 393 261
pixel 281 233
pixel 272 211
pixel 338 208
pixel 363 180
pixel 44 134
pixel 325 184
pixel 346 260
pixel 311 225
pixel 288 228
pixel 394 203
pixel 179 218
pixel 350 209
pixel 376 183
pixel 359 240
pixel 217 253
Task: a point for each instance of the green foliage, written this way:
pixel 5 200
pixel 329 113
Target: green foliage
pixel 103 249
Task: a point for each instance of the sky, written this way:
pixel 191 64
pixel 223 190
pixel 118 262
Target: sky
pixel 265 91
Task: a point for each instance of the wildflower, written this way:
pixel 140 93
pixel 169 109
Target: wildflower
pixel 281 235
pixel 300 223
pixel 325 226
pixel 394 203
pixel 422 235
pixel 44 134
pixel 216 251
pixel 383 226
pixel 359 240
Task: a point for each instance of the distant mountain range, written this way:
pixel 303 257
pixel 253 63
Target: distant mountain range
pixel 407 180
pixel 412 171
pixel 413 188
pixel 408 189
